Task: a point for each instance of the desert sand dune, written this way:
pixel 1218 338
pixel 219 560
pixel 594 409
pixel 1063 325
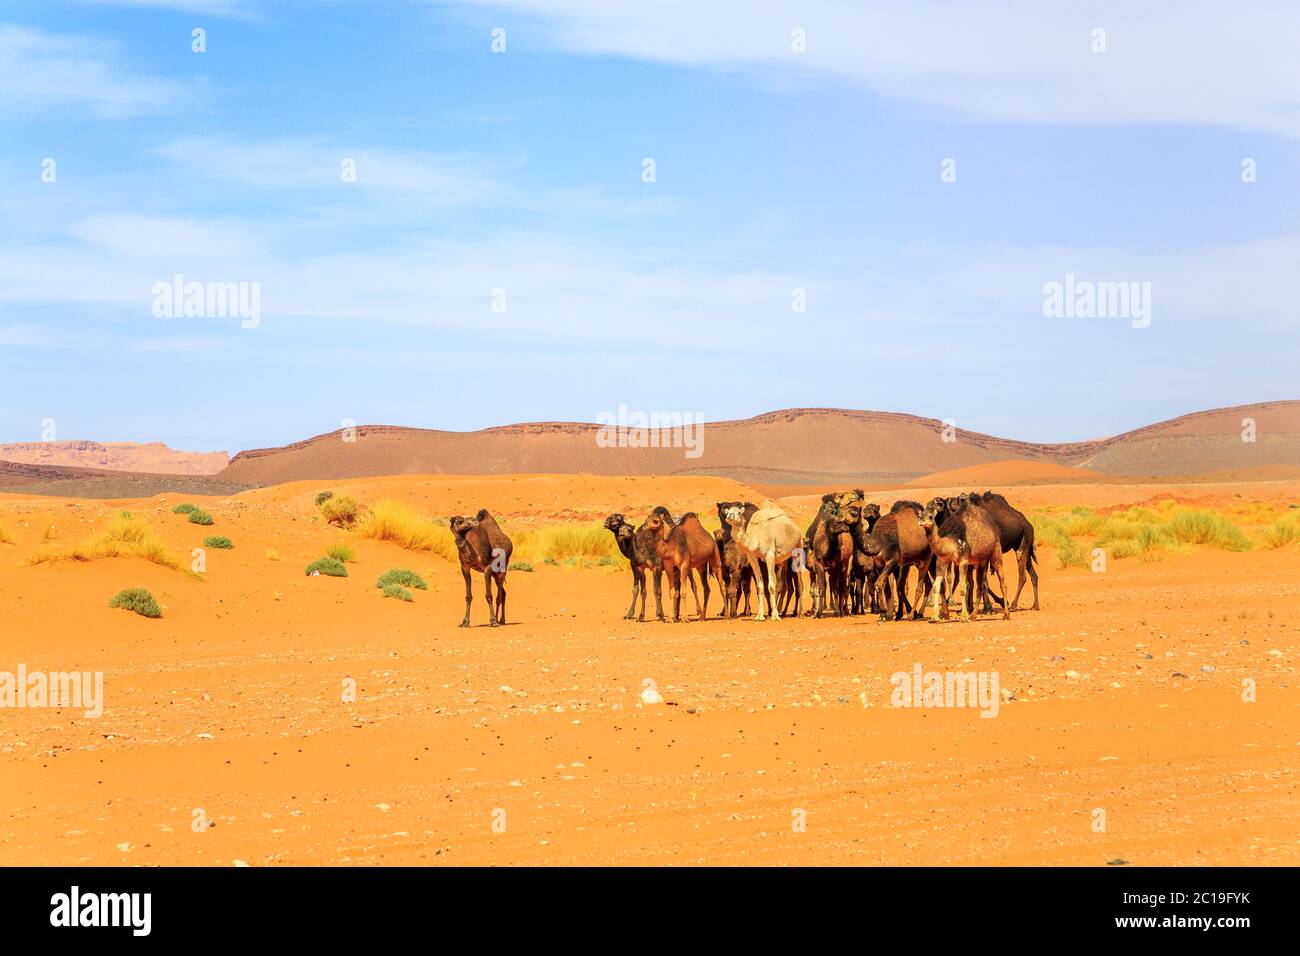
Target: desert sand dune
pixel 1125 694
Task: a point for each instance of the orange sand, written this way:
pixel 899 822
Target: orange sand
pixel 541 718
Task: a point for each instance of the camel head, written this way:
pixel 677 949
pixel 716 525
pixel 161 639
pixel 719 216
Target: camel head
pixel 659 524
pixel 931 515
pixel 848 506
pixel 460 525
pixel 733 513
pixel 614 522
pixel 870 513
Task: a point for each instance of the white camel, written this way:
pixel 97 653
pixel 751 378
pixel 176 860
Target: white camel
pixel 767 534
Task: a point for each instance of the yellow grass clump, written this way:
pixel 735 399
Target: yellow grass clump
pixel 567 544
pixel 394 521
pixel 124 538
pixel 4 536
pixel 1282 533
pixel 1144 532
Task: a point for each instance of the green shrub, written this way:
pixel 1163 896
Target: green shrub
pixel 217 541
pixel 184 508
pixel 397 591
pixel 331 566
pixel 138 600
pixel 1208 528
pixel 323 497
pixel 199 516
pixel 520 566
pixel 401 576
pixel 342 551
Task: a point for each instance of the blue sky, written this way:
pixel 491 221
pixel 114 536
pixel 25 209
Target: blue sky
pixel 522 171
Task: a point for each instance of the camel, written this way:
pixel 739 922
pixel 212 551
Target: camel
pixel 481 545
pixel 625 537
pixel 736 575
pixel 1016 534
pixel 767 533
pixel 645 548
pixel 967 542
pixel 898 543
pixel 832 547
pixel 862 576
pixel 820 553
pixel 684 549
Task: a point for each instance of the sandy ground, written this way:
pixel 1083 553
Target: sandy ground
pixel 1127 694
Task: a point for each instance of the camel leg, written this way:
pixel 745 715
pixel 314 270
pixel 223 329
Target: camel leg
pixel 487 596
pixel 675 592
pixel 1033 574
pixel 774 613
pixel 469 595
pixel 644 588
pixel 501 597
pixel 636 586
pixel 900 588
pixel 659 600
pixel 704 582
pixel 918 598
pixel 1006 610
pixel 760 587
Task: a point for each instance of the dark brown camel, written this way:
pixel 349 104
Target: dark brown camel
pixel 968 542
pixel 737 576
pixel 898 543
pixel 686 548
pixel 862 578
pixel 645 550
pixel 625 537
pixel 481 545
pixel 1016 534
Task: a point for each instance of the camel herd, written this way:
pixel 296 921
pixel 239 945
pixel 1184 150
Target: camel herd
pixel 857 558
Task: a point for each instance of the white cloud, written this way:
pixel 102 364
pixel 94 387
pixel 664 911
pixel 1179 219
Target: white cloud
pixel 1198 62
pixel 301 164
pixel 138 236
pixel 44 72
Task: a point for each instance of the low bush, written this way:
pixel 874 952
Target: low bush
pixel 403 577
pixel 217 541
pixel 138 600
pixel 330 566
pixel 398 592
pixel 342 511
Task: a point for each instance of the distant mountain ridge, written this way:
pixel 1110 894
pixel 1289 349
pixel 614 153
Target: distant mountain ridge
pixel 136 457
pixel 791 446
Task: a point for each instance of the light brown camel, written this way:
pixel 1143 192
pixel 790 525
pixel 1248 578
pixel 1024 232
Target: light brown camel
pixel 769 535
pixel 684 549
